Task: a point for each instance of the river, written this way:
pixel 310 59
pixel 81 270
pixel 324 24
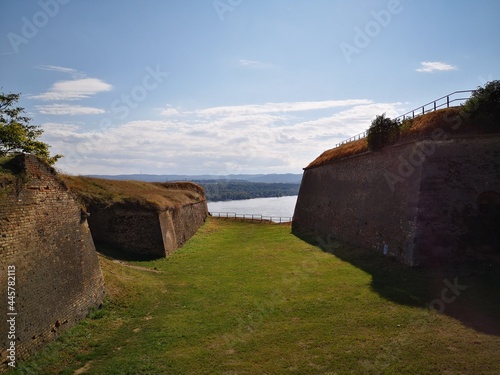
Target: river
pixel 275 207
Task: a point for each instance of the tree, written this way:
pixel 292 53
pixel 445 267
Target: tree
pixel 16 133
pixel 382 132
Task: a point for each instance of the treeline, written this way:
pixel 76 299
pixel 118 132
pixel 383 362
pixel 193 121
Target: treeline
pixel 224 190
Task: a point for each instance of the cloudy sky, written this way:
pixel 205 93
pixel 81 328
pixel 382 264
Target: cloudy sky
pixel 232 86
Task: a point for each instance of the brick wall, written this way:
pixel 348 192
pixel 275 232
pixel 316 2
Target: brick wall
pixel 43 235
pixel 132 230
pixel 416 201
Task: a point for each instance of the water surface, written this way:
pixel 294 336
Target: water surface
pixel 275 207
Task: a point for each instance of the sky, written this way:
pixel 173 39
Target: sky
pixel 232 86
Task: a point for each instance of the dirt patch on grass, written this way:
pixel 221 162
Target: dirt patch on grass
pixel 83 369
pixel 135 267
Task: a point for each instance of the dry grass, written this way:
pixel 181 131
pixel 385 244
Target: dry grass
pixel 156 195
pixel 349 149
pixel 448 119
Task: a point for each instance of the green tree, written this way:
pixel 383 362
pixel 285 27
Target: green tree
pixel 17 135
pixel 382 132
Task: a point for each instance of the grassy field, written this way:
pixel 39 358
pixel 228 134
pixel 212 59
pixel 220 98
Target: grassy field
pixel 246 298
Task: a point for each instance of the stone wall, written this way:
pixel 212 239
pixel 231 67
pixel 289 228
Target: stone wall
pixel 416 201
pixel 57 273
pixel 187 220
pixel 146 232
pixel 452 222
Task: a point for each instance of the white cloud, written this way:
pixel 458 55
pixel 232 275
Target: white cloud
pixel 54 132
pixel 72 110
pixel 278 107
pixel 56 127
pixel 73 72
pixel 74 89
pixel 240 139
pixel 254 64
pixel 169 111
pixel 435 66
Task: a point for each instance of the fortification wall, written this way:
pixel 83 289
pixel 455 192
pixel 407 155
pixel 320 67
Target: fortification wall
pixel 187 220
pixel 133 230
pixel 415 201
pixel 459 201
pixel 57 272
pixel 351 200
pixel 144 232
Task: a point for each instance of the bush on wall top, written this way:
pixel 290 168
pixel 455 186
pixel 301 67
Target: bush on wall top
pixel 382 132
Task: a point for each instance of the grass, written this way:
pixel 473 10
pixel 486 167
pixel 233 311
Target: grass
pixel 248 298
pixel 155 195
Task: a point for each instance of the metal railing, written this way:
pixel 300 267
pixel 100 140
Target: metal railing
pixel 253 217
pixel 446 100
pixel 432 106
pixel 352 139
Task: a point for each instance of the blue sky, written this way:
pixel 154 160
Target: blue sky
pixel 232 86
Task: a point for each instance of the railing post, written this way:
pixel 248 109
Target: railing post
pixel 447 101
pixel 434 105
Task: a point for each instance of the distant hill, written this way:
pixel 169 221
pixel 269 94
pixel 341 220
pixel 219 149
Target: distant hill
pixel 289 178
pixel 224 190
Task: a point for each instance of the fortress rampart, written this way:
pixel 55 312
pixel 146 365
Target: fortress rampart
pixel 44 237
pixel 146 232
pixel 424 202
pixel 47 246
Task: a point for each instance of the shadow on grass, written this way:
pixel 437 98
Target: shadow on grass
pixel 112 252
pixel 469 292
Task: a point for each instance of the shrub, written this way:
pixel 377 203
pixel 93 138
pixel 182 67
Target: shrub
pixel 484 106
pixel 382 132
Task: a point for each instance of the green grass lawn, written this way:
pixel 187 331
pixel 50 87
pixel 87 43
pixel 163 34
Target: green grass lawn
pixel 246 298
